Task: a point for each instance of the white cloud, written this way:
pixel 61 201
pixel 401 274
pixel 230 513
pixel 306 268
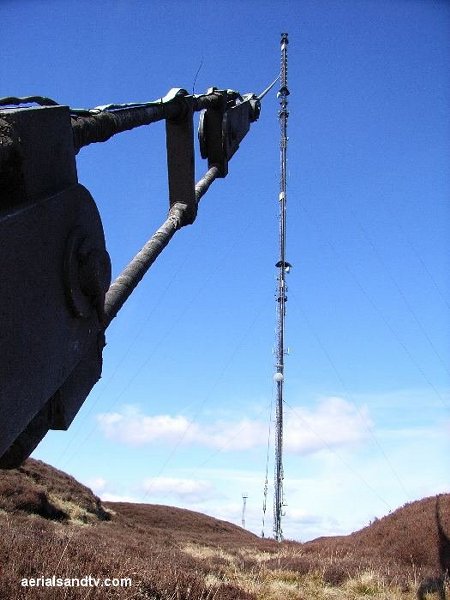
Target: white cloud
pixel 188 490
pixel 325 462
pixel 97 484
pixel 234 435
pixel 107 497
pixel 133 427
pixel 102 488
pixel 332 422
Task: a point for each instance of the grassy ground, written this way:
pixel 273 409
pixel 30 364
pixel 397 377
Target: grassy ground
pixel 51 525
pixel 266 582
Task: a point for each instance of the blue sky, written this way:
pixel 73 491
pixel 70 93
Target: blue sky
pixel 181 415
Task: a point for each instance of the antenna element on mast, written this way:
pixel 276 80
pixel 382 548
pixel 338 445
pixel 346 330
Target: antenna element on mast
pixel 244 506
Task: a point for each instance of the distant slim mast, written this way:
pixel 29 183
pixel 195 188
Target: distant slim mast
pixel 283 268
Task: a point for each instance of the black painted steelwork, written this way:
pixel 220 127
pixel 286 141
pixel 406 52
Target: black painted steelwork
pixel 55 274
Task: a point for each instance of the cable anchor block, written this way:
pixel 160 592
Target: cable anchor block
pixel 223 126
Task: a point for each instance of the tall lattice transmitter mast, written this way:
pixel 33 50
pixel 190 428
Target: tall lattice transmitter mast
pixel 283 269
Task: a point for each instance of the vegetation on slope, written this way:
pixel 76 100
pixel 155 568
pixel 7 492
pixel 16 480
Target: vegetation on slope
pixel 51 525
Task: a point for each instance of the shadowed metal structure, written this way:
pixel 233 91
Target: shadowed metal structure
pixel 55 271
pixel 283 268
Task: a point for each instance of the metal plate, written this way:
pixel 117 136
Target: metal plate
pixel 41 341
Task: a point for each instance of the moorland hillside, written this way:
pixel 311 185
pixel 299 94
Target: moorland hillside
pixel 51 525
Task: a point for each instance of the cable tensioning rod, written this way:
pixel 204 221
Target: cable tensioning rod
pixel 126 282
pixel 99 125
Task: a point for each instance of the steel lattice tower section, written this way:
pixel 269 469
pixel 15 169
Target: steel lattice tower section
pixel 283 268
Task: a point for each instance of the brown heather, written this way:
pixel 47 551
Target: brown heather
pixel 52 525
